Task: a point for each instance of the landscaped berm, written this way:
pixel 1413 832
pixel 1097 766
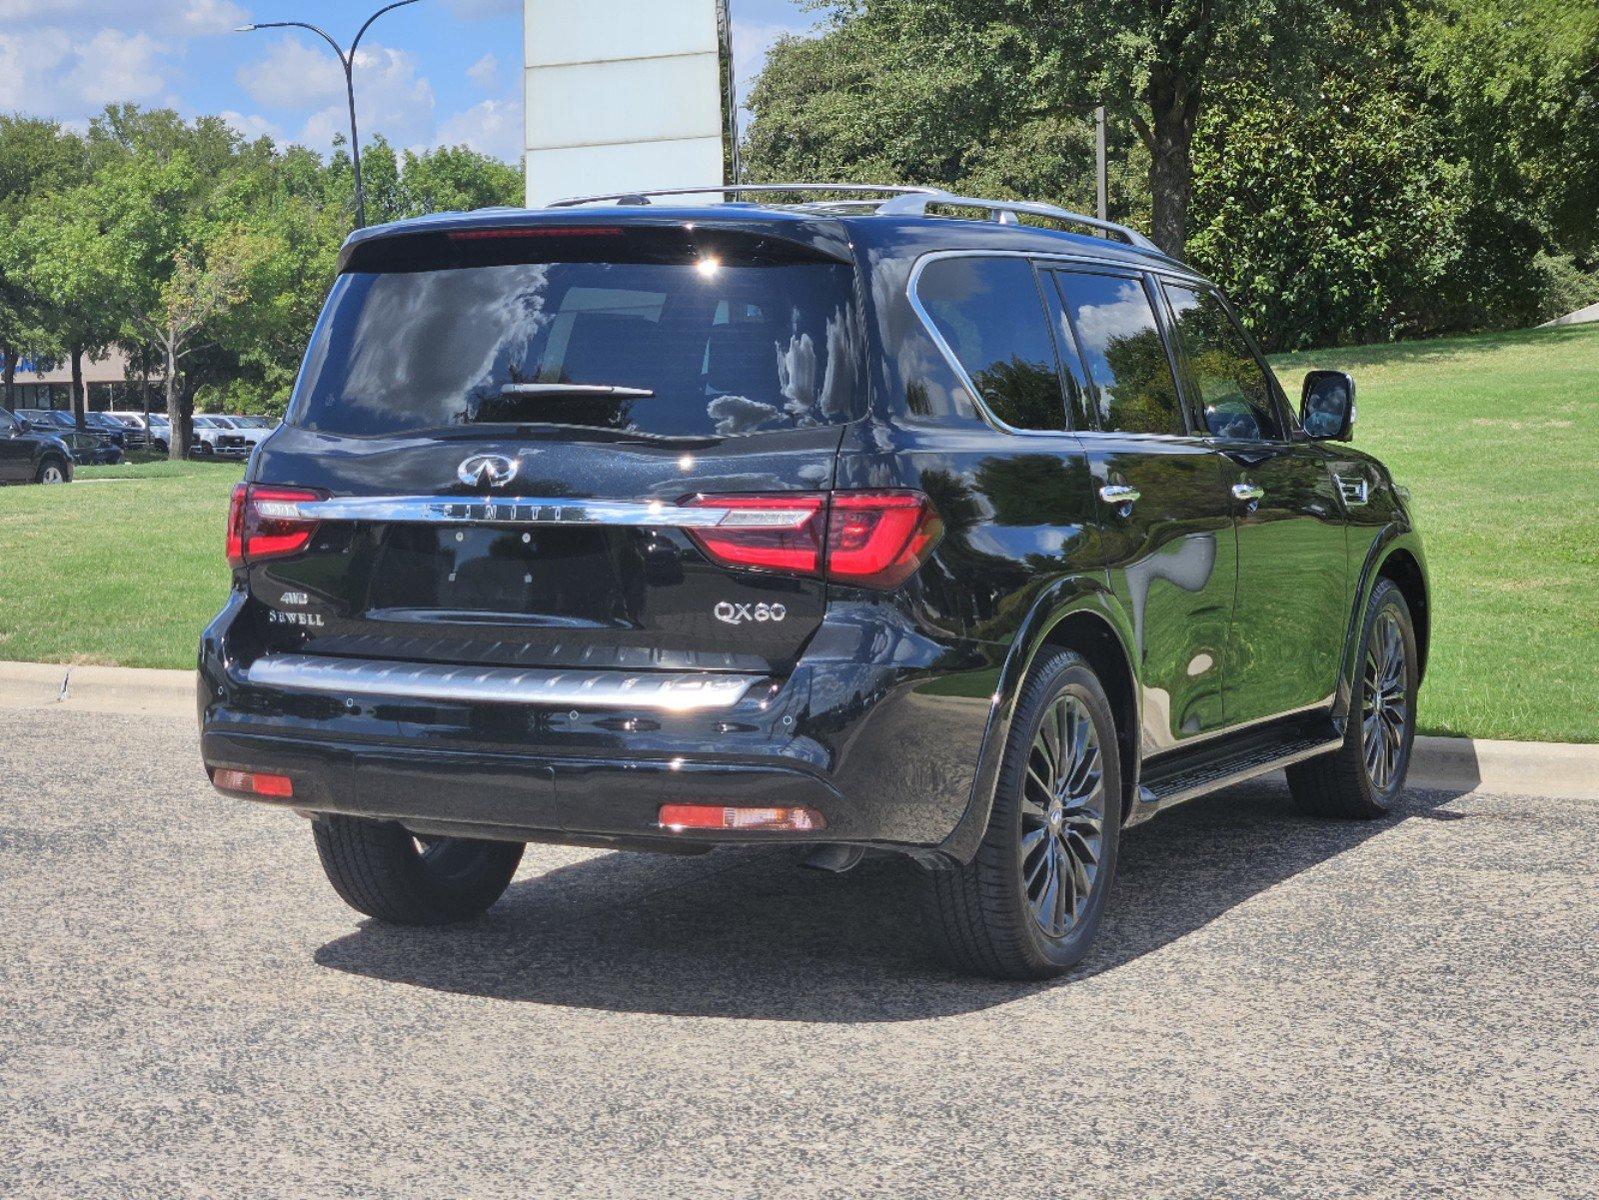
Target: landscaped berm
pixel 1497 436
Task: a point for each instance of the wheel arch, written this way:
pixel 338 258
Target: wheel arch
pixel 1082 615
pixel 1396 555
pixel 1410 576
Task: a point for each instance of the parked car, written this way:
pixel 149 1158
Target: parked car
pixel 89 446
pixel 156 437
pixel 27 456
pixel 860 526
pixel 208 433
pixel 244 435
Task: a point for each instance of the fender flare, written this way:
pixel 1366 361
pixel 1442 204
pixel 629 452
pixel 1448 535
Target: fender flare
pixel 1395 537
pixel 1062 599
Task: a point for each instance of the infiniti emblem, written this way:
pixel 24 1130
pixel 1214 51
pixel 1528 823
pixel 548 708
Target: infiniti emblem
pixel 494 469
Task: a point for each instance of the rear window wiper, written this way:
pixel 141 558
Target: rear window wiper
pixel 579 390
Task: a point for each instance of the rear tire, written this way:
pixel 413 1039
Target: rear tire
pixel 1056 816
pixel 1364 777
pixel 378 868
pixel 53 470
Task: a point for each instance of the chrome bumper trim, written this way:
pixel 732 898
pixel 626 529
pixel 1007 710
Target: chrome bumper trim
pixel 533 510
pixel 353 677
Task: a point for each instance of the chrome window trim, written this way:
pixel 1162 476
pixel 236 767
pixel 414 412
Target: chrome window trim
pixel 1131 270
pixel 532 511
pixel 348 678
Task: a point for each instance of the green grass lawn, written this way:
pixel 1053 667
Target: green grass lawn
pixel 123 567
pixel 1497 437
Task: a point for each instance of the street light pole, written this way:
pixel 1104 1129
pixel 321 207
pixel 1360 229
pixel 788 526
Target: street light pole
pixel 347 61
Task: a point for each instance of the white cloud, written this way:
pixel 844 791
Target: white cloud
pixel 293 73
pixel 485 72
pixel 493 127
pixel 252 126
pixel 213 16
pixel 390 98
pixel 115 66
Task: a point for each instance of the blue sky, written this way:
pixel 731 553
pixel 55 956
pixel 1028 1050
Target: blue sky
pixel 438 73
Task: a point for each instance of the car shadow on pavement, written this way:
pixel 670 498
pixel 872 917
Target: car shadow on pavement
pixel 751 934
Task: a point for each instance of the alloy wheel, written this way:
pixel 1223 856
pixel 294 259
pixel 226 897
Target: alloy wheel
pixel 53 474
pixel 1385 711
pixel 1063 816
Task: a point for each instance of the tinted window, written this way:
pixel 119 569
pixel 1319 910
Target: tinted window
pixel 8 423
pixel 1233 392
pixel 1123 353
pixel 706 349
pixel 990 313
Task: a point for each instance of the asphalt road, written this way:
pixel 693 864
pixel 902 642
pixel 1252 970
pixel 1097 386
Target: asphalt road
pixel 1279 1007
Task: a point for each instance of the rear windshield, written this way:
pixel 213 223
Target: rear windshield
pixel 686 349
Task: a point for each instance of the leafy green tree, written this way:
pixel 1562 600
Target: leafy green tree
pixel 921 78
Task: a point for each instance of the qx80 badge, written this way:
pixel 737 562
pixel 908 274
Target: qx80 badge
pixel 740 614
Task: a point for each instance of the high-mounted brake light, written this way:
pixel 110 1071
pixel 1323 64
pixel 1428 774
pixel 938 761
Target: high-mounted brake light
pixel 534 231
pixel 265 522
pixel 864 539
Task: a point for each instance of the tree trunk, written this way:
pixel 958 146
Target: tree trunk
pixel 1174 109
pixel 180 433
pixel 9 369
pixel 144 396
pixel 78 400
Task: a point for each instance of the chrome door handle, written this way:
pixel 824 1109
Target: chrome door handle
pixel 1118 494
pixel 1248 492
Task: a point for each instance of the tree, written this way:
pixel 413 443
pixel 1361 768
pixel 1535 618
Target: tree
pixel 36 156
pixel 965 68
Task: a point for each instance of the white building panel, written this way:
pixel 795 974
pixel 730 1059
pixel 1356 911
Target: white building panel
pixel 621 94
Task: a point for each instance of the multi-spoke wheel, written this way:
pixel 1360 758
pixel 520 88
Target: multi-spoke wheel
pixel 52 471
pixel 1028 905
pixel 1385 712
pixel 1063 816
pixel 1365 776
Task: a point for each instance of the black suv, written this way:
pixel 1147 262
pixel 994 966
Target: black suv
pixel 899 521
pixel 27 456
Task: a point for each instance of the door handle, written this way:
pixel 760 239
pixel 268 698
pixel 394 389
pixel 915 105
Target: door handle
pixel 1119 495
pixel 1249 493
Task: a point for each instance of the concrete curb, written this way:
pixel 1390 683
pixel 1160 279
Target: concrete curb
pixel 1438 764
pixel 96 689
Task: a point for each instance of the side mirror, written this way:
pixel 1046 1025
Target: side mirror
pixel 1327 406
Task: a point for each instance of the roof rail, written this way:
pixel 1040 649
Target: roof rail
pixel 901 201
pixel 737 189
pixel 1008 212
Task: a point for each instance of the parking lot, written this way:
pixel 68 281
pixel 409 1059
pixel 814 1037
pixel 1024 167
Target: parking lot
pixel 1278 1007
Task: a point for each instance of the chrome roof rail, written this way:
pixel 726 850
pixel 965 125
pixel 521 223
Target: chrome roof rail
pixel 738 189
pixel 1008 212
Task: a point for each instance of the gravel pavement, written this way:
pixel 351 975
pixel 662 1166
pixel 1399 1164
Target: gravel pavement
pixel 1278 1007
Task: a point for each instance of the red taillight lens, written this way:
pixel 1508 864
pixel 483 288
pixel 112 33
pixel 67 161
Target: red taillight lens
pixel 678 817
pixel 265 522
pixel 871 539
pixel 765 533
pixel 880 539
pixel 254 783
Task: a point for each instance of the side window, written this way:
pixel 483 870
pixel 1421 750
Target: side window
pixel 990 313
pixel 1072 372
pixel 1123 353
pixel 1233 390
pixel 8 423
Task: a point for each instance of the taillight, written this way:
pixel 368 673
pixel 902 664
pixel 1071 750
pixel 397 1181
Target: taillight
pixel 265 522
pixel 865 539
pixel 679 817
pixel 880 539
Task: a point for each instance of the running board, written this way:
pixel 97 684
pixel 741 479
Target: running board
pixel 1209 769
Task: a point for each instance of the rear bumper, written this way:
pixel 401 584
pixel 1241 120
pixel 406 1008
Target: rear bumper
pixel 865 730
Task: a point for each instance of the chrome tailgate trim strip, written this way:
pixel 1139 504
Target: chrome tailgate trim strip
pixel 533 510
pixel 353 677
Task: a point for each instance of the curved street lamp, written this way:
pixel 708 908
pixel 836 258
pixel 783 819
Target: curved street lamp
pixel 347 60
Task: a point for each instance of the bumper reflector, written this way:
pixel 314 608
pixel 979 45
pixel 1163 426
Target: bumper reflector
pixel 679 817
pixel 254 784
